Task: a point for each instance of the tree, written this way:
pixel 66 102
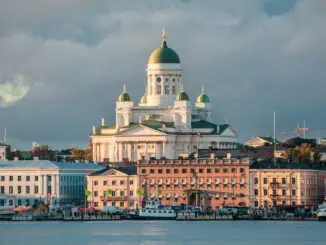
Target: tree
pixel 316 157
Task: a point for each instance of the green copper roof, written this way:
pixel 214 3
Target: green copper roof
pixel 143 99
pixel 182 96
pixel 164 54
pixel 124 97
pixel 203 98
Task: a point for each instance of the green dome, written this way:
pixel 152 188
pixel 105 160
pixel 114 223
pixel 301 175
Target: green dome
pixel 182 96
pixel 143 99
pixel 124 97
pixel 203 98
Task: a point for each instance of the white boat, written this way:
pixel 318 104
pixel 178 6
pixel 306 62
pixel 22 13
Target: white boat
pixel 154 210
pixel 321 212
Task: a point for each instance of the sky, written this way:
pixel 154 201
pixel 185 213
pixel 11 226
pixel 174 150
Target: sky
pixel 63 63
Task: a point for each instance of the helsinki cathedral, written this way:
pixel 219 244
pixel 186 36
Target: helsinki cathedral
pixel 165 123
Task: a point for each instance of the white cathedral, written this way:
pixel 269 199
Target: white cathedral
pixel 165 123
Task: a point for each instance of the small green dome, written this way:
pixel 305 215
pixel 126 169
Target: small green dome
pixel 203 98
pixel 124 97
pixel 182 96
pixel 143 99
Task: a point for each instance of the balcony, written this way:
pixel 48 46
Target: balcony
pixel 113 198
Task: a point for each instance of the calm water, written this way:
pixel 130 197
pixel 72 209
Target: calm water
pixel 163 232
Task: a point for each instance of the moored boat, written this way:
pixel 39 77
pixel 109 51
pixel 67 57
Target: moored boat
pixel 154 210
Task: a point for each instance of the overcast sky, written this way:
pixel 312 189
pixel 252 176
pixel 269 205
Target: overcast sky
pixel 63 63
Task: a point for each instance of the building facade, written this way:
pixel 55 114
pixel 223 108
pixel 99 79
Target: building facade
pixel 286 187
pixel 113 187
pixel 165 123
pixel 200 182
pixel 29 182
pixel 3 151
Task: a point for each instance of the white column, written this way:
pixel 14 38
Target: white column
pixel 42 185
pixel 52 184
pixel 135 152
pixel 146 155
pixel 120 152
pixel 129 152
pixel 116 152
pixel 57 184
pixel 164 149
pixel 94 151
pixel 156 150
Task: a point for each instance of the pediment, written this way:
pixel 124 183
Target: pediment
pixel 140 130
pixel 230 131
pixel 113 172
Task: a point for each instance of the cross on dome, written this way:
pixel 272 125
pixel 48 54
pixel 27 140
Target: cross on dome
pixel 164 38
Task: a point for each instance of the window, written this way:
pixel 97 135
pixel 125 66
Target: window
pixel 27 189
pixel 105 182
pixel 19 178
pixel 294 203
pixel 175 170
pixel 283 181
pixel 283 202
pixel 265 181
pixel 143 171
pixel 113 182
pixel 2 190
pixel 293 192
pixel 293 181
pixel 11 178
pixel 131 182
pixel 256 192
pixel 19 202
pixel 184 170
pixel 166 79
pixel 2 202
pixel 208 170
pixel 274 192
pixel 122 182
pixel 233 170
pixel 274 180
pixel 122 204
pixel 166 89
pixel 160 171
pixel 11 189
pixel 256 180
pixel 95 182
pixel 201 170
pixel 49 189
pixel 152 171
pixel 131 193
pixel 113 193
pixel 265 192
pixel 2 178
pixel 158 89
pixel 19 189
pixel 283 192
pixel 28 178
pixel 49 178
pixel 36 178
pixel 113 204
pixel 122 193
pixel 167 170
pixel 217 170
pixel 173 89
pixel 36 189
pixel 256 203
pixel 242 170
pixel 11 202
pixel 158 79
pixel 225 170
pixel 95 204
pixel 265 204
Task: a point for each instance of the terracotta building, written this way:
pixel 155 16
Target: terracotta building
pixel 207 182
pixel 286 187
pixel 113 187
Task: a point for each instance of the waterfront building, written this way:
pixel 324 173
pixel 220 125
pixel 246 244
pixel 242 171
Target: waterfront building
pixel 260 141
pixel 165 123
pixel 29 182
pixel 286 186
pixel 3 151
pixel 209 182
pixel 113 187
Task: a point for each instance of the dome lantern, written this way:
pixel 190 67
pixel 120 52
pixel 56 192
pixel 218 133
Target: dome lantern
pixel 124 96
pixel 203 98
pixel 182 96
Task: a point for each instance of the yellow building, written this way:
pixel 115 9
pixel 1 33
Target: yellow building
pixel 113 187
pixel 274 187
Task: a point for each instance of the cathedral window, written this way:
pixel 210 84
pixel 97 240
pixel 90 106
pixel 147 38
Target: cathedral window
pixel 158 89
pixel 173 89
pixel 167 89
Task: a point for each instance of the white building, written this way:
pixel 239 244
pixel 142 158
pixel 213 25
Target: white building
pixel 3 151
pixel 164 123
pixel 29 182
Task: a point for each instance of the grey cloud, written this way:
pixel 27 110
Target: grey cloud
pixel 250 62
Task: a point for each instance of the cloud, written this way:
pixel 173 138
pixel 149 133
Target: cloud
pixel 12 91
pixel 251 55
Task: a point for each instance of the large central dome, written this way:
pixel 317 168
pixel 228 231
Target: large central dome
pixel 164 54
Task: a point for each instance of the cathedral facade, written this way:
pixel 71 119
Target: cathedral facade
pixel 165 123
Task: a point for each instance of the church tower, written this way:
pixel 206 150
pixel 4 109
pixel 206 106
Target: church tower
pixel 163 76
